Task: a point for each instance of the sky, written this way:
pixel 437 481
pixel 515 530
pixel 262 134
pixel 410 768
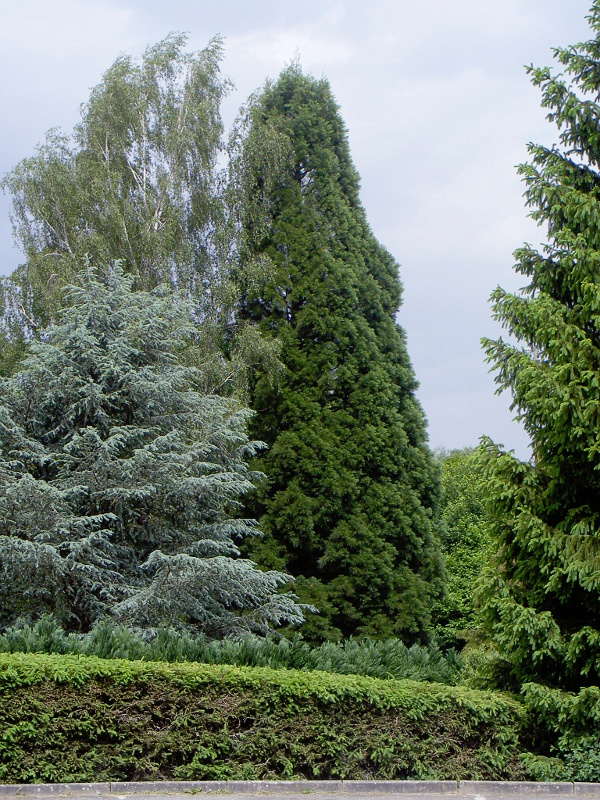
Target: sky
pixel 439 111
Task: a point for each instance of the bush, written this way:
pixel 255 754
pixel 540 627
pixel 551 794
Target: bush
pixel 389 659
pixel 465 543
pixel 74 718
pixel 568 733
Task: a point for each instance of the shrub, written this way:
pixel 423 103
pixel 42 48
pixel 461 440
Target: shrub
pixel 389 659
pixel 74 718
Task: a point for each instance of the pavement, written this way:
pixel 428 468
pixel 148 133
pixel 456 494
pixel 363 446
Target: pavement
pixel 298 790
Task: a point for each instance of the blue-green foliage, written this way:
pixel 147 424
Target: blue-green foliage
pixel 122 475
pixel 377 659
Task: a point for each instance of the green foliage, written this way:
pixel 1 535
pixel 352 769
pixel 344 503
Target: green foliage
pixel 75 719
pixel 138 182
pixel 568 733
pixel 351 502
pixel 388 659
pixel 465 543
pixel 543 584
pixel 121 478
pixel 544 595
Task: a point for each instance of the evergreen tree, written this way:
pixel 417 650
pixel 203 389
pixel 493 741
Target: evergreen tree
pixel 543 593
pixel 546 608
pixel 121 478
pixel 351 503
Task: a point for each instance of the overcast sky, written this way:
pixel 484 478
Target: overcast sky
pixel 439 111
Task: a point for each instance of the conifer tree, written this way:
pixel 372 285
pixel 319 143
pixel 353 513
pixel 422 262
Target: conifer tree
pixel 351 502
pixel 543 594
pixel 546 608
pixel 121 479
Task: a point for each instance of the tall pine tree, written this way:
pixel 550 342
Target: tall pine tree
pixel 351 502
pixel 542 602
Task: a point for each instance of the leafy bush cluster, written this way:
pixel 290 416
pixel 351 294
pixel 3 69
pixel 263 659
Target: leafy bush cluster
pixel 466 544
pixel 387 659
pixel 77 719
pixel 568 733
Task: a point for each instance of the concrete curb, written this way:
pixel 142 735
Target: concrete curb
pixel 475 789
pixel 49 789
pixel 229 787
pixel 514 787
pixel 399 787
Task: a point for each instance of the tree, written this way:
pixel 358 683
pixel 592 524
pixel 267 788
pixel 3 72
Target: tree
pixel 121 479
pixel 543 594
pixel 465 543
pixel 138 182
pixel 352 498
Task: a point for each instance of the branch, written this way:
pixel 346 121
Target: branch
pixel 27 317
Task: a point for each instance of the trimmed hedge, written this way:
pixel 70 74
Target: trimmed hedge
pixel 70 718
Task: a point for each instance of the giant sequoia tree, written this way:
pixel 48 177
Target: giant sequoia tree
pixel 543 597
pixel 351 503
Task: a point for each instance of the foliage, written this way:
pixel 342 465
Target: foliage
pixel 388 659
pixel 351 502
pixel 544 602
pixel 465 543
pixel 78 719
pixel 120 476
pixel 139 182
pixel 568 733
pixel 543 585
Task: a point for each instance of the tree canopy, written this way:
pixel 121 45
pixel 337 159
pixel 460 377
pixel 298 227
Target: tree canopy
pixel 543 595
pixel 139 181
pixel 352 499
pixel 122 478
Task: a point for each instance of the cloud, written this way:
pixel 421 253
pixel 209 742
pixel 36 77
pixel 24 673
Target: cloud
pixel 54 52
pixel 438 110
pixel 268 48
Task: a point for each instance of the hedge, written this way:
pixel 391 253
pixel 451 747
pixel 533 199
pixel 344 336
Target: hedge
pixel 67 718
